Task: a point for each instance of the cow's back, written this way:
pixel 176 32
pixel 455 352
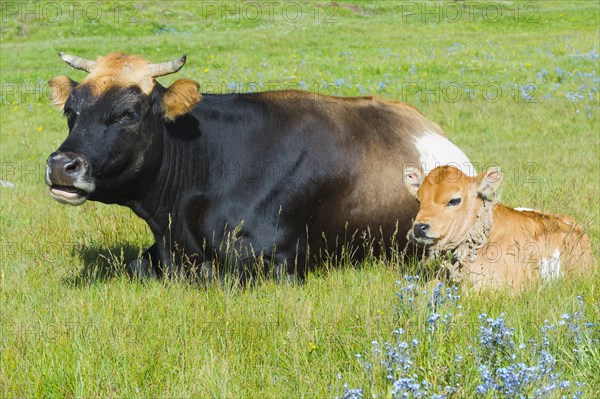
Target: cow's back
pixel 527 246
pixel 331 168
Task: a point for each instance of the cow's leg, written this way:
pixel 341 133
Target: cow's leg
pixel 283 274
pixel 201 272
pixel 283 268
pixel 147 266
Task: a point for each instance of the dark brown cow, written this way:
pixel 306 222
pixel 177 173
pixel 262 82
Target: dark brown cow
pixel 292 175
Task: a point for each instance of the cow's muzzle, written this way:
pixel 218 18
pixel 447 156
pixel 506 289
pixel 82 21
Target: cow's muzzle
pixel 420 233
pixel 67 174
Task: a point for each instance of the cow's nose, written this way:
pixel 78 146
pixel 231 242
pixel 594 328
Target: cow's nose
pixel 73 165
pixel 64 168
pixel 421 229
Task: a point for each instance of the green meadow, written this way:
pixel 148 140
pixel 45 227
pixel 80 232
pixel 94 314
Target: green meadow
pixel 513 84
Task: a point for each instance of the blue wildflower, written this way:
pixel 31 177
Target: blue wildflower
pixel 526 91
pixel 339 82
pixel 352 393
pixel 574 96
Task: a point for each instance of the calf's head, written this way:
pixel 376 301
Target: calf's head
pixel 450 202
pixel 115 118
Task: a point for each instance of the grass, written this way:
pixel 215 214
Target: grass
pixel 71 325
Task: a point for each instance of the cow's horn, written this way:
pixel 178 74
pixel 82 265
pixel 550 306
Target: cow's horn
pixel 77 62
pixel 166 68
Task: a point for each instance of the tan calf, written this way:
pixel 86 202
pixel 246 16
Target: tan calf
pixel 482 241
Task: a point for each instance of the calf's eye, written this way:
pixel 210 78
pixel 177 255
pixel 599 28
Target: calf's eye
pixel 454 202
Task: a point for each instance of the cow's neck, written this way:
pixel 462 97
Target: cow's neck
pixel 161 195
pixel 456 261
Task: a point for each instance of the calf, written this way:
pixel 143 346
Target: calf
pixel 482 241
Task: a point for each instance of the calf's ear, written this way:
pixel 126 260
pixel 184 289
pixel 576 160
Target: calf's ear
pixel 180 98
pixel 60 90
pixel 489 182
pixel 413 179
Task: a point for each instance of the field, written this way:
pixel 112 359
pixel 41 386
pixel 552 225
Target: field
pixel 512 83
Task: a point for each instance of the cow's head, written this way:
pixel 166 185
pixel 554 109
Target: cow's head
pixel 115 118
pixel 450 202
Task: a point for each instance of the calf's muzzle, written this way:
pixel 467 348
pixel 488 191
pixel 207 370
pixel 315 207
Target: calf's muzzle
pixel 420 230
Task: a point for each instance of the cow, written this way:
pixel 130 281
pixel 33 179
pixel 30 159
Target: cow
pixel 489 245
pixel 282 179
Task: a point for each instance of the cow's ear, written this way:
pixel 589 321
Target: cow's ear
pixel 60 90
pixel 180 98
pixel 488 183
pixel 413 179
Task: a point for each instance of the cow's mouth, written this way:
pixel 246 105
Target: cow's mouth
pixel 68 194
pixel 423 240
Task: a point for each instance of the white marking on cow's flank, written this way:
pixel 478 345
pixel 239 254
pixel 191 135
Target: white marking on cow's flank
pixel 436 150
pixel 550 268
pixel 525 210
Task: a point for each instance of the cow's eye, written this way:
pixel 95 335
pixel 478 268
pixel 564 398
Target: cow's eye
pixel 454 202
pixel 127 117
